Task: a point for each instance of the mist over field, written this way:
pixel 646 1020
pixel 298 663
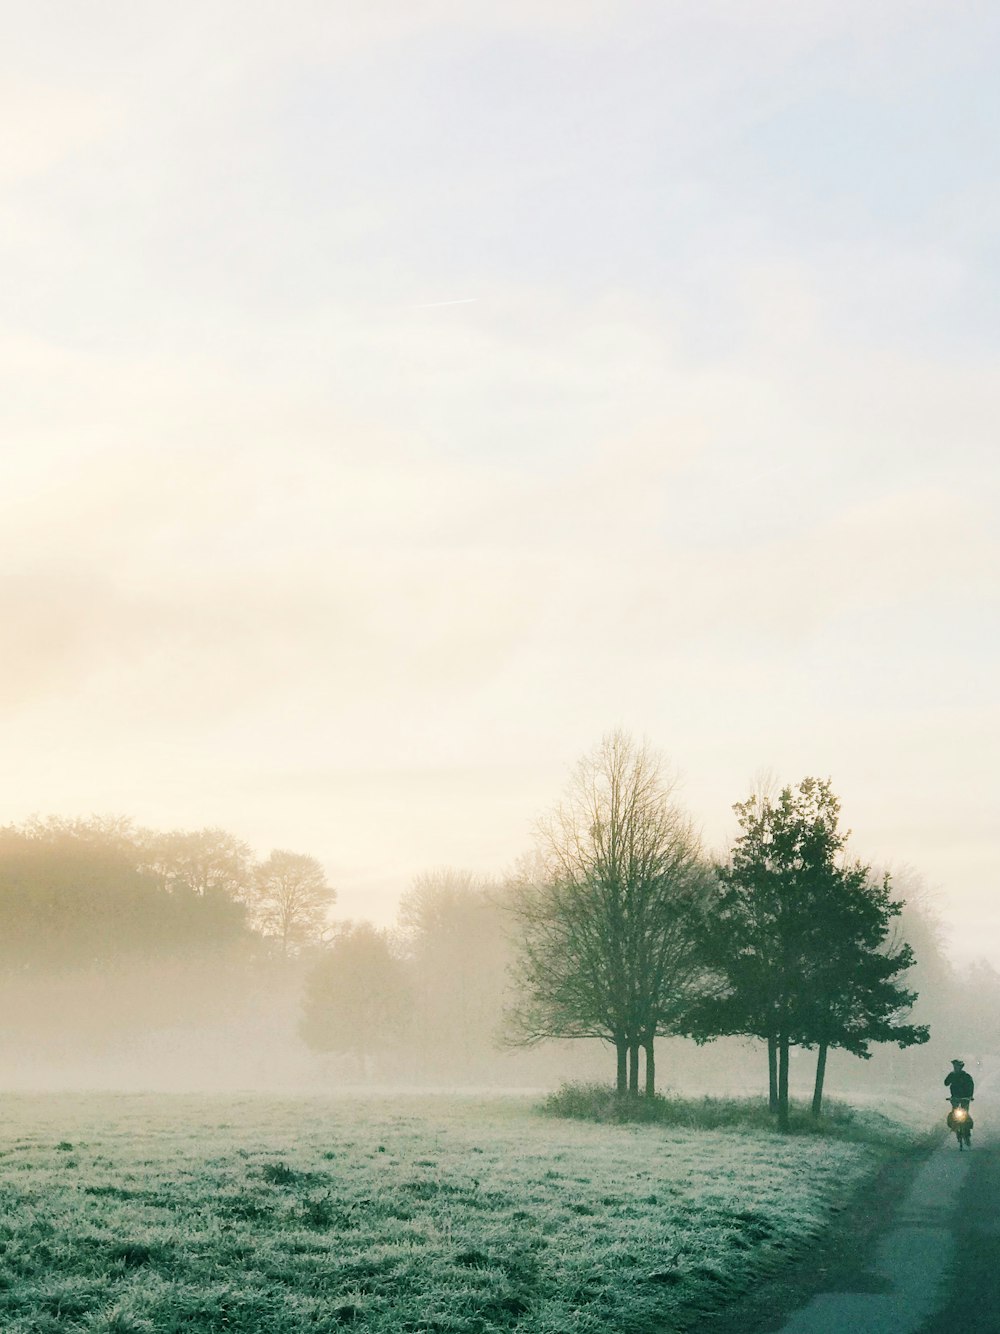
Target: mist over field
pixel 499 604
pixel 224 1109
pixel 135 960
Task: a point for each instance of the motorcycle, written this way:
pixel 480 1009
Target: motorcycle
pixel 960 1120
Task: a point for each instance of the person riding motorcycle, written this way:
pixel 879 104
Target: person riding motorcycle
pixel 960 1084
pixel 960 1087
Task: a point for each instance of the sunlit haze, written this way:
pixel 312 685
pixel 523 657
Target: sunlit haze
pixel 398 397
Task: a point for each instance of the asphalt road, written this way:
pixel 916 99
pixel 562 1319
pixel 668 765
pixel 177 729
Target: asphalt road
pixel 934 1267
pixel 909 1275
pixel 972 1282
pixel 917 1253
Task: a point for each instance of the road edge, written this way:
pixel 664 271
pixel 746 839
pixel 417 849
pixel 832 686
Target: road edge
pixel 839 1258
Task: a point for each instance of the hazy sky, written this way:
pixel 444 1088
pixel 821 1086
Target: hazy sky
pixel 294 545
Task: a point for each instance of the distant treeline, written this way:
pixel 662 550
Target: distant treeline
pixel 126 941
pixel 98 891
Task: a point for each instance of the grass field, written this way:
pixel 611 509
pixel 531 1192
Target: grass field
pixel 220 1215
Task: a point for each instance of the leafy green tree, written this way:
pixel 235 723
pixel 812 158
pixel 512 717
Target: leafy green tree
pixel 799 940
pixel 608 914
pixel 855 995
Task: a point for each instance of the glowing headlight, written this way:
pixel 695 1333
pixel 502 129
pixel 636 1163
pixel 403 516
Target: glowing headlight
pixel 960 1113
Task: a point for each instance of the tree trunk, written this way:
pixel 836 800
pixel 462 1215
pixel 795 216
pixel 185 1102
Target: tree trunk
pixel 783 1082
pixel 621 1047
pixel 772 1072
pixel 650 1069
pixel 817 1106
pixel 633 1069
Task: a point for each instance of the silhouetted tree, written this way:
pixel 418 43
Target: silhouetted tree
pixel 800 940
pixel 856 997
pixel 609 914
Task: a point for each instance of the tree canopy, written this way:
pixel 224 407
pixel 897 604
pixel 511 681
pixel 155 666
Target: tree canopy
pixel 74 894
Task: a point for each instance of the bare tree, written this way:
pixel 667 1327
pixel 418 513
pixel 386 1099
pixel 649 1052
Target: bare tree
pixel 609 913
pixel 435 897
pixel 291 899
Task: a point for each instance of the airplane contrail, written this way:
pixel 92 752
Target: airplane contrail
pixel 432 305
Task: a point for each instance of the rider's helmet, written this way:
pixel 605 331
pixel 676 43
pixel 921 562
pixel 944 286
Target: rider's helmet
pixel 960 1064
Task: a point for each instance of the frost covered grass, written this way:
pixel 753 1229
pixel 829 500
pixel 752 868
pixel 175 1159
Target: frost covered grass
pixel 213 1215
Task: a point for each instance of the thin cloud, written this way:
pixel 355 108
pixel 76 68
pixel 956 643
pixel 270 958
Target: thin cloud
pixel 434 305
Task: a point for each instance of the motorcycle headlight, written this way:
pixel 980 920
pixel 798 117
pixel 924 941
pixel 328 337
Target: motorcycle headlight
pixel 960 1113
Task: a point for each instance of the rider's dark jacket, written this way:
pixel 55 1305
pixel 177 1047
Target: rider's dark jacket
pixel 961 1084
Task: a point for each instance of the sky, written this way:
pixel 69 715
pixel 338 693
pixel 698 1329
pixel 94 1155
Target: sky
pixel 396 398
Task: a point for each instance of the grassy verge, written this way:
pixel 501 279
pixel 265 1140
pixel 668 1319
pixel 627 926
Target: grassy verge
pixel 157 1215
pixel 839 1120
